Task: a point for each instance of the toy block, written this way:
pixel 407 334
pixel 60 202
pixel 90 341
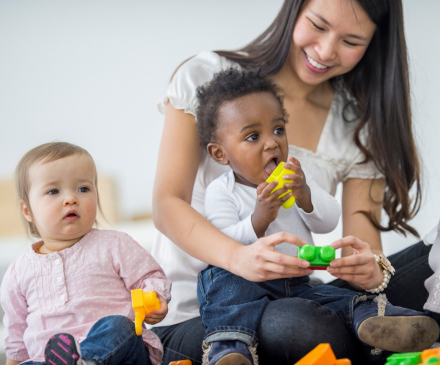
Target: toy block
pixel 181 362
pixel 409 358
pixel 431 356
pixel 277 175
pixel 322 355
pixel 319 257
pixel 143 303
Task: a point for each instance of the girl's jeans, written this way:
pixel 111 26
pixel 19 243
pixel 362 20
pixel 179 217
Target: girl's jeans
pixel 232 307
pixel 112 341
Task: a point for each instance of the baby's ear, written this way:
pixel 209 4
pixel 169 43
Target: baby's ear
pixel 217 153
pixel 25 210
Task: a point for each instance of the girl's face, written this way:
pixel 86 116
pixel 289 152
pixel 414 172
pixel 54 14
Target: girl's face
pixel 329 39
pixel 63 199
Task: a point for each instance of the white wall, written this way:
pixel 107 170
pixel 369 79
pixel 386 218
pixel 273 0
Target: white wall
pixel 92 72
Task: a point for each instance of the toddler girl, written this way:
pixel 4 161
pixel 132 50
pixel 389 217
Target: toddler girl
pixel 76 279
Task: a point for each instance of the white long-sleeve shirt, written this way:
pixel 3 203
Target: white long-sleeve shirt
pixel 229 206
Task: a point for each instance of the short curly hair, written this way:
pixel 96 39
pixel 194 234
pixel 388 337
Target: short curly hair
pixel 226 86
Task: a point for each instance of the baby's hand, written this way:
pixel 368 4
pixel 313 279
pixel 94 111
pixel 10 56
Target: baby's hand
pixel 159 314
pixel 267 206
pixel 299 187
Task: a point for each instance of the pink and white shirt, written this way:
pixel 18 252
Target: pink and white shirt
pixel 68 291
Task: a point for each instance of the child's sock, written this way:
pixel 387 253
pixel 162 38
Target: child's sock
pixel 229 353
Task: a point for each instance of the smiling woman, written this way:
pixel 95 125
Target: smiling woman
pixel 341 66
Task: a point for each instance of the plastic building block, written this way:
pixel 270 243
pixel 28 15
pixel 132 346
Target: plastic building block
pixel 319 257
pixel 410 358
pixel 181 362
pixel 431 356
pixel 322 355
pixel 277 175
pixel 143 303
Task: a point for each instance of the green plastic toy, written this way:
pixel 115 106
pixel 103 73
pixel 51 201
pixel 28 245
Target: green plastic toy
pixel 409 358
pixel 277 175
pixel 319 257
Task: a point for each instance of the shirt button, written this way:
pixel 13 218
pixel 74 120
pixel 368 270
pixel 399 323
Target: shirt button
pixel 57 262
pixel 59 279
pixel 62 297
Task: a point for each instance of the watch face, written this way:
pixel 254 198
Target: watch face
pixel 386 264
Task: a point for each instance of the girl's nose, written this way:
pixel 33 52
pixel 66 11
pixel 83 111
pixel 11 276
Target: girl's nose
pixel 70 199
pixel 270 144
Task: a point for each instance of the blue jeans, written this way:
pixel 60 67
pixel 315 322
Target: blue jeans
pixel 112 341
pixel 232 307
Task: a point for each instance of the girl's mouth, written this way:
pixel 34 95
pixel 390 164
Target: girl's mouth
pixel 71 216
pixel 271 166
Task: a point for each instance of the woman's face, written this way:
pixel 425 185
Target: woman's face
pixel 330 37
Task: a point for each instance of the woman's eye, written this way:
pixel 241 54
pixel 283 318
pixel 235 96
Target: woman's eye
pixel 83 189
pixel 316 26
pixel 279 130
pixel 252 137
pixel 350 44
pixel 53 192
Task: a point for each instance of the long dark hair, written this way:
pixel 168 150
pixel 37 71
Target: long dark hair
pixel 380 85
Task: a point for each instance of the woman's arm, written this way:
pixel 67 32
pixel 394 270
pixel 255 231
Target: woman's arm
pixel 178 161
pixel 361 238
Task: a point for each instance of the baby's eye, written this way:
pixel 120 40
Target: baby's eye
pixel 53 192
pixel 279 130
pixel 83 189
pixel 253 137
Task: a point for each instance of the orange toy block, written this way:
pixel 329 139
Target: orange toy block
pixel 322 355
pixel 143 303
pixel 431 356
pixel 181 362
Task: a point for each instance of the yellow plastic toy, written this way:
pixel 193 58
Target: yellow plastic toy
pixel 143 303
pixel 322 355
pixel 277 175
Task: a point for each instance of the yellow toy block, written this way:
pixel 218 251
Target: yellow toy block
pixel 143 303
pixel 322 355
pixel 277 175
pixel 181 362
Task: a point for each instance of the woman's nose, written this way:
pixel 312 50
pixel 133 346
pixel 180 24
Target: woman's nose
pixel 326 49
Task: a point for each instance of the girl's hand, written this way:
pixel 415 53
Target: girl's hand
pixel 360 268
pixel 299 187
pixel 260 262
pixel 267 206
pixel 159 314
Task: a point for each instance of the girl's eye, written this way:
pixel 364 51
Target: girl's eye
pixel 279 130
pixel 53 192
pixel 316 26
pixel 83 189
pixel 253 137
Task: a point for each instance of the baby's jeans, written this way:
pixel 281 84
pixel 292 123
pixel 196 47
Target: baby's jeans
pixel 112 341
pixel 231 307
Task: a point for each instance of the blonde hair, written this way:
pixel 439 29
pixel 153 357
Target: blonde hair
pixel 44 153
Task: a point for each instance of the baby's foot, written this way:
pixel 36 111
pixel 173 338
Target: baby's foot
pixel 62 349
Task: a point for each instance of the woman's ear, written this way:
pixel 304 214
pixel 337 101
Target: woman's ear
pixel 217 153
pixel 25 210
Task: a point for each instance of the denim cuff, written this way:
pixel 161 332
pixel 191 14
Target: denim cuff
pixel 232 333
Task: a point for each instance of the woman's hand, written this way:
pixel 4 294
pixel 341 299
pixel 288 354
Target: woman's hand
pixel 299 187
pixel 260 262
pixel 359 268
pixel 159 314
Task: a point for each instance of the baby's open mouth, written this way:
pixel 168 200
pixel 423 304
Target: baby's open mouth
pixel 271 166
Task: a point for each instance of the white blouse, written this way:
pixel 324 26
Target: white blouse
pixel 335 160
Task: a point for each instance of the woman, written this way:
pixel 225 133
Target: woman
pixel 342 68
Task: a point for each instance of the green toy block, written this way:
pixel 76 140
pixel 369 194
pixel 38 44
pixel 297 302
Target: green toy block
pixel 317 256
pixel 409 358
pixel 277 175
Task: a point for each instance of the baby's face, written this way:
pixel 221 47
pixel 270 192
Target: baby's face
pixel 63 197
pixel 252 134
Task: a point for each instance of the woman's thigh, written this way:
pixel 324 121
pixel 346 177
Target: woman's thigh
pixel 288 330
pixel 407 286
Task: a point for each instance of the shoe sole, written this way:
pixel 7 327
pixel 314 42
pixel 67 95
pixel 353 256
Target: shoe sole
pixel 399 334
pixel 234 359
pixel 62 349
